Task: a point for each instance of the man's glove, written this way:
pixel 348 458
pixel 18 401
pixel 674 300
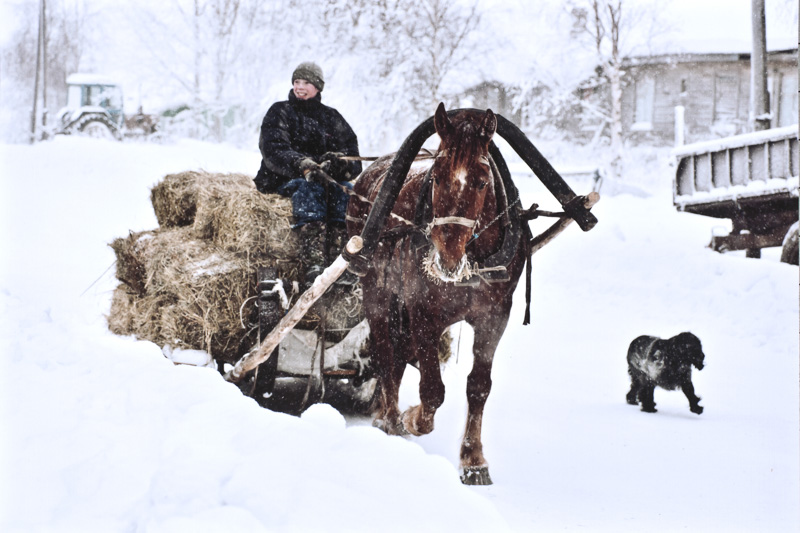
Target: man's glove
pixel 335 166
pixel 307 165
pixel 312 171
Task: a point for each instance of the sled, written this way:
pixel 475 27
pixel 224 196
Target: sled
pixel 291 369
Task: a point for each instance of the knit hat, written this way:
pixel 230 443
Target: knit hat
pixel 310 72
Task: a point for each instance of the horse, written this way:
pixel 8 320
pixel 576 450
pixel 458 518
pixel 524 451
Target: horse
pixel 429 270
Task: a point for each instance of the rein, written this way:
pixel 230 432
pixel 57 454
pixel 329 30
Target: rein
pixel 423 154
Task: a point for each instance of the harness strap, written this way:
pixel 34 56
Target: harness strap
pixel 528 270
pixel 461 221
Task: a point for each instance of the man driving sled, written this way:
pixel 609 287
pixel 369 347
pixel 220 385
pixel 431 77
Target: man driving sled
pixel 299 137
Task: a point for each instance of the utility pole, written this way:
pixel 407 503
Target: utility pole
pixel 759 96
pixel 38 67
pixel 44 69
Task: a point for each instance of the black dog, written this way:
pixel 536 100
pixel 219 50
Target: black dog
pixel 665 363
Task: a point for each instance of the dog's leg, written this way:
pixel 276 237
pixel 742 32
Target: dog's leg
pixel 633 395
pixel 694 400
pixel 646 397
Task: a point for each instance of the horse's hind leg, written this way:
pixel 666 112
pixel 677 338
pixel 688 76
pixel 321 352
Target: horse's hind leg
pixel 474 468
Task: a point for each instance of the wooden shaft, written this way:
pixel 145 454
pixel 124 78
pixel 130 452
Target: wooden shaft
pixel 295 314
pixel 553 231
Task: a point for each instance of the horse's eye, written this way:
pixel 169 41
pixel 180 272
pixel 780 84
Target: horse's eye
pixel 482 185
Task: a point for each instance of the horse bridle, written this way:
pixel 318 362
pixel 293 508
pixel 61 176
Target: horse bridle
pixel 461 221
pixel 442 221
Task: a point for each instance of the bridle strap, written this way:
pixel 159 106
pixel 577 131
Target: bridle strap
pixel 461 221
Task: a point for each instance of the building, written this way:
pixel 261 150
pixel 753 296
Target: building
pixel 713 89
pixel 492 95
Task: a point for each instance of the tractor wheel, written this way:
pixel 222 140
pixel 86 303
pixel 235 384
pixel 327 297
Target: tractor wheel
pixel 97 127
pixel 791 247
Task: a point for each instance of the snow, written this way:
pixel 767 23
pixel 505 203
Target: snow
pixel 737 141
pixel 90 79
pixel 104 433
pixel 735 192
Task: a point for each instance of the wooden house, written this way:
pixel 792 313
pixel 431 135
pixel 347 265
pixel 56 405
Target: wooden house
pixel 713 89
pixel 492 95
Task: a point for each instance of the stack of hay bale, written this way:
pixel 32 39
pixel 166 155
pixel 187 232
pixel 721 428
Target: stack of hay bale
pixel 186 284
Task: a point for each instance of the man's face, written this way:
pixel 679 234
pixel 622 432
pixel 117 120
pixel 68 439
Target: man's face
pixel 304 90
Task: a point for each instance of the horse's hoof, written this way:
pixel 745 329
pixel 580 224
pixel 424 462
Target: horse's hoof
pixel 476 475
pixel 414 423
pixel 390 429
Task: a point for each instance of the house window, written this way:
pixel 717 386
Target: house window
pixel 643 104
pixel 726 99
pixel 787 105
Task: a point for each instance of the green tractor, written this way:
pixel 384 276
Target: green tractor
pixel 94 109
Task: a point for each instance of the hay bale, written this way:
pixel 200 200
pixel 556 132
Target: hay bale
pixel 130 252
pixel 186 283
pixel 213 190
pixel 120 317
pixel 255 224
pixel 178 198
pixel 133 314
pixel 194 291
pixel 174 199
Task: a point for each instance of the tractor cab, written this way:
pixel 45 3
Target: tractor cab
pixel 94 107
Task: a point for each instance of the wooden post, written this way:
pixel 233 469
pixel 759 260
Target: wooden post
pixel 759 96
pixel 290 320
pixel 680 125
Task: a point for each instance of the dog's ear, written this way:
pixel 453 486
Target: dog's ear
pixel 691 349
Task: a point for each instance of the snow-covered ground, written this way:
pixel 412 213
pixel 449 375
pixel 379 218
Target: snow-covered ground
pixel 102 434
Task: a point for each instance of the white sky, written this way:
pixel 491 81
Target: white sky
pixel 725 25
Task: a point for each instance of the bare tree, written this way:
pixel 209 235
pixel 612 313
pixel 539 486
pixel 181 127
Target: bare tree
pixel 197 45
pixel 616 29
pixel 65 36
pixel 442 34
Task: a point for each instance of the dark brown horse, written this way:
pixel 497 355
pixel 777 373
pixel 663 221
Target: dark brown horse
pixel 430 271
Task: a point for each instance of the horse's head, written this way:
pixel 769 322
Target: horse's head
pixel 462 176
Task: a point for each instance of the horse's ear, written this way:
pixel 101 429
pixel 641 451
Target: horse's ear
pixel 442 122
pixel 489 125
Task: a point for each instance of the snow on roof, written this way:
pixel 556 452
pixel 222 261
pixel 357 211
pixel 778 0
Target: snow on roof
pixel 90 79
pixel 734 193
pixel 736 141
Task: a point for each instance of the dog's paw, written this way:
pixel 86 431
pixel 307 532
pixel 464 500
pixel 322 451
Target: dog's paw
pixel 649 409
pixel 697 409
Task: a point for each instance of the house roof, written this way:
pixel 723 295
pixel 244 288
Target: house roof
pixel 90 79
pixel 787 55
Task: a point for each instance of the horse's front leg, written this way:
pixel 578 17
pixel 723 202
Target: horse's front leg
pixel 425 333
pixel 474 468
pixel 387 418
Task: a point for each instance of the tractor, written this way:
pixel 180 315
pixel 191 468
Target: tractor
pixel 94 109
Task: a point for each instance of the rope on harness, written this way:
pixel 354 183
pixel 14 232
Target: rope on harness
pixel 423 154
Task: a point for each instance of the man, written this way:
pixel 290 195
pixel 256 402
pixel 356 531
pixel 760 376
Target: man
pixel 299 138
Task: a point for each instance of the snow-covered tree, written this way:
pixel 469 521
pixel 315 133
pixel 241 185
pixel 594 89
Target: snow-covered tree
pixel 616 29
pixel 67 35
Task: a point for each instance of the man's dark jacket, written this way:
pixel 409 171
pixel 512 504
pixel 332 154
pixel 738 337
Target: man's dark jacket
pixel 295 129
